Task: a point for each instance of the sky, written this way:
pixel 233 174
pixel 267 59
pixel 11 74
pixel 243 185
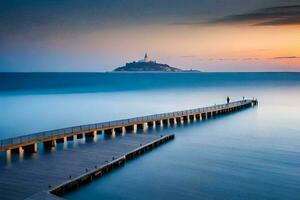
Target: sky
pixel 100 35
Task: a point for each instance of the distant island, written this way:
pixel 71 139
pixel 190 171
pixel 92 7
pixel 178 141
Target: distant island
pixel 147 65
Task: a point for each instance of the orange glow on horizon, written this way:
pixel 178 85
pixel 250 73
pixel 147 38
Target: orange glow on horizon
pixel 255 46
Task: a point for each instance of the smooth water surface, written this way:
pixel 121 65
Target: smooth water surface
pixel 252 154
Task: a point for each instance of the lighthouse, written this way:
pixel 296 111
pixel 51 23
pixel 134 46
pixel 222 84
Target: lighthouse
pixel 146 59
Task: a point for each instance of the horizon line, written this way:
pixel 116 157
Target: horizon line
pixel 140 72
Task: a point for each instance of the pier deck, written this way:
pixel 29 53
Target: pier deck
pixel 31 178
pixel 29 142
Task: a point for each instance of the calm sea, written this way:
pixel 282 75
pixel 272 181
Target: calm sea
pixel 252 154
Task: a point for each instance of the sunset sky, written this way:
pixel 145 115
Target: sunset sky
pixel 208 35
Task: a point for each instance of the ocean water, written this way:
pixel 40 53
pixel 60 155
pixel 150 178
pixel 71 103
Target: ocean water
pixel 252 154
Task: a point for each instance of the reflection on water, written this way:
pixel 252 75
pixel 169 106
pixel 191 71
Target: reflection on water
pixel 8 157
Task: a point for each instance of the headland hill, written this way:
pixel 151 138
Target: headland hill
pixel 147 65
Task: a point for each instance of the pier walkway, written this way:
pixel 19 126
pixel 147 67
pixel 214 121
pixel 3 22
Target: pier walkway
pixel 28 143
pixel 61 171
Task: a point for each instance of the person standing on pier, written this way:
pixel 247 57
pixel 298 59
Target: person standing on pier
pixel 228 99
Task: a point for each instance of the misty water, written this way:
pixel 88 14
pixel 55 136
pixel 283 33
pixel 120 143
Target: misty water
pixel 252 154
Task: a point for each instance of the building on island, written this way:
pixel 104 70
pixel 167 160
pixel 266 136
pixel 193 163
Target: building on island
pixel 146 59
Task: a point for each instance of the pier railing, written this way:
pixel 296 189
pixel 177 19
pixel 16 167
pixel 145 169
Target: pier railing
pixel 41 136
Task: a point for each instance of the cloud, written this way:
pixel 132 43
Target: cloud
pixel 229 59
pixel 272 16
pixel 287 57
pixel 248 58
pixel 188 56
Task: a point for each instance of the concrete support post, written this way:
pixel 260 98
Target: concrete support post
pixel 134 129
pixel 154 124
pixel 189 118
pixel 17 150
pixel 145 126
pixel 113 132
pixel 110 131
pixel 32 148
pixel 91 134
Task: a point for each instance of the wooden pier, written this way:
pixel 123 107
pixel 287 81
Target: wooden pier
pixel 28 143
pixel 50 176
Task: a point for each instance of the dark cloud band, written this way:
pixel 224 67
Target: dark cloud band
pixel 275 16
pixel 287 57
